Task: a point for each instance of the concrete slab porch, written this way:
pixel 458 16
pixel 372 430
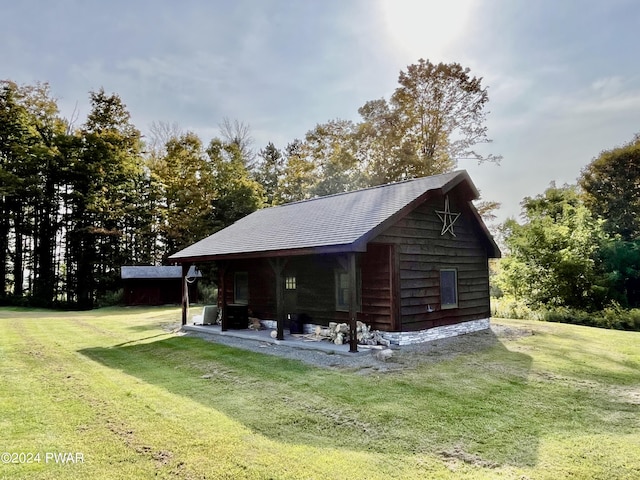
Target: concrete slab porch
pixel 294 341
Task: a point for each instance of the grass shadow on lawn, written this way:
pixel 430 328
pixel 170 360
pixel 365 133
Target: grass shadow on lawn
pixel 474 405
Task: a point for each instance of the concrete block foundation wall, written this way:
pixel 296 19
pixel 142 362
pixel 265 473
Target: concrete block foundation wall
pixel 436 333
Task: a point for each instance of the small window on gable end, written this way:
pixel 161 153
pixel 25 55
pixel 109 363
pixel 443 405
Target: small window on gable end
pixel 448 288
pixel 241 288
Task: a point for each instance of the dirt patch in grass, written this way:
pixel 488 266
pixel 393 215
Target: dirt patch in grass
pixel 626 395
pixel 457 453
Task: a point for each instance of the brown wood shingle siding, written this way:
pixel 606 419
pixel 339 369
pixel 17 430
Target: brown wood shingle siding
pixel 316 294
pixel 400 274
pixel 315 285
pixel 377 292
pixel 423 252
pixel 262 299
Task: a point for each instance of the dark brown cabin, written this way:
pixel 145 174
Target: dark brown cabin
pixel 403 257
pixel 156 285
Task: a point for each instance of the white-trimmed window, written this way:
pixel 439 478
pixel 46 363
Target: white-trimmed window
pixel 290 282
pixel 241 288
pixel 448 288
pixel 342 290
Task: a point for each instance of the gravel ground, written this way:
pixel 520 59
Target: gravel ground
pixel 366 362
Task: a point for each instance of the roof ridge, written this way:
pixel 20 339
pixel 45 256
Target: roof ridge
pixel 455 172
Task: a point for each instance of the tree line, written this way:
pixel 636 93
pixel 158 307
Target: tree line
pixel 78 202
pixel 577 247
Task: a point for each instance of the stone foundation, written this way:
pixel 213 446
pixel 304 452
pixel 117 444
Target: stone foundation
pixel 436 333
pixel 411 338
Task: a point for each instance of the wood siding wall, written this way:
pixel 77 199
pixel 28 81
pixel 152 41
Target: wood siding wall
pixel 400 275
pixel 262 295
pixel 156 291
pixel 315 295
pixel 423 252
pixel 315 287
pixel 378 300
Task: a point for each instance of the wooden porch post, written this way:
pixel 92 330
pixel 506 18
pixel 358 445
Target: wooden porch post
pixel 222 294
pixel 394 270
pixel 353 303
pixel 278 265
pixel 185 293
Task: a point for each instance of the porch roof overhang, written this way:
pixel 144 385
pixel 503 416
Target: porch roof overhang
pixel 285 252
pixel 333 224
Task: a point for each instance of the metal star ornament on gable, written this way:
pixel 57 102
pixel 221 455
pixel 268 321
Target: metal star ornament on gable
pixel 447 217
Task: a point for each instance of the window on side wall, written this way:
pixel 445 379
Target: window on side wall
pixel 241 288
pixel 342 290
pixel 448 288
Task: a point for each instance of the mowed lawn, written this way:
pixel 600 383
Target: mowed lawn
pixel 122 396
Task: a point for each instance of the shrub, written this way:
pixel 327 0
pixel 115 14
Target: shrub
pixel 207 293
pixel 613 316
pixel 567 315
pixel 508 307
pixel 111 299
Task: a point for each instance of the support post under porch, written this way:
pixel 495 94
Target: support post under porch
pixel 222 295
pixel 185 293
pixel 353 303
pixel 278 264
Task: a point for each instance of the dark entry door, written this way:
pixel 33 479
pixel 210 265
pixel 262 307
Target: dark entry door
pixel 290 298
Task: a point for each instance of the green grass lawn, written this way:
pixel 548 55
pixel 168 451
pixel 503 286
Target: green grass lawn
pixel 135 400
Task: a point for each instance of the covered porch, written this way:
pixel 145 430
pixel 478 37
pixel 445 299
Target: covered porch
pixel 272 284
pixel 298 341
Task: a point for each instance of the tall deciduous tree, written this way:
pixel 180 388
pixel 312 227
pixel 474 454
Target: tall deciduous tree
pixel 160 133
pixel 331 148
pixel 235 132
pixel 185 178
pixel 435 118
pixel 611 185
pixel 380 148
pixel 553 257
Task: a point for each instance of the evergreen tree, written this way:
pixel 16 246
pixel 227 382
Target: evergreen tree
pixel 30 167
pixel 269 173
pixel 299 174
pixel 236 194
pixel 103 184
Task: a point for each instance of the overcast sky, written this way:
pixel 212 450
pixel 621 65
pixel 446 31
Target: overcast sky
pixel 563 75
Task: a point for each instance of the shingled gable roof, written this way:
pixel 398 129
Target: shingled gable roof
pixel 129 272
pixel 336 223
